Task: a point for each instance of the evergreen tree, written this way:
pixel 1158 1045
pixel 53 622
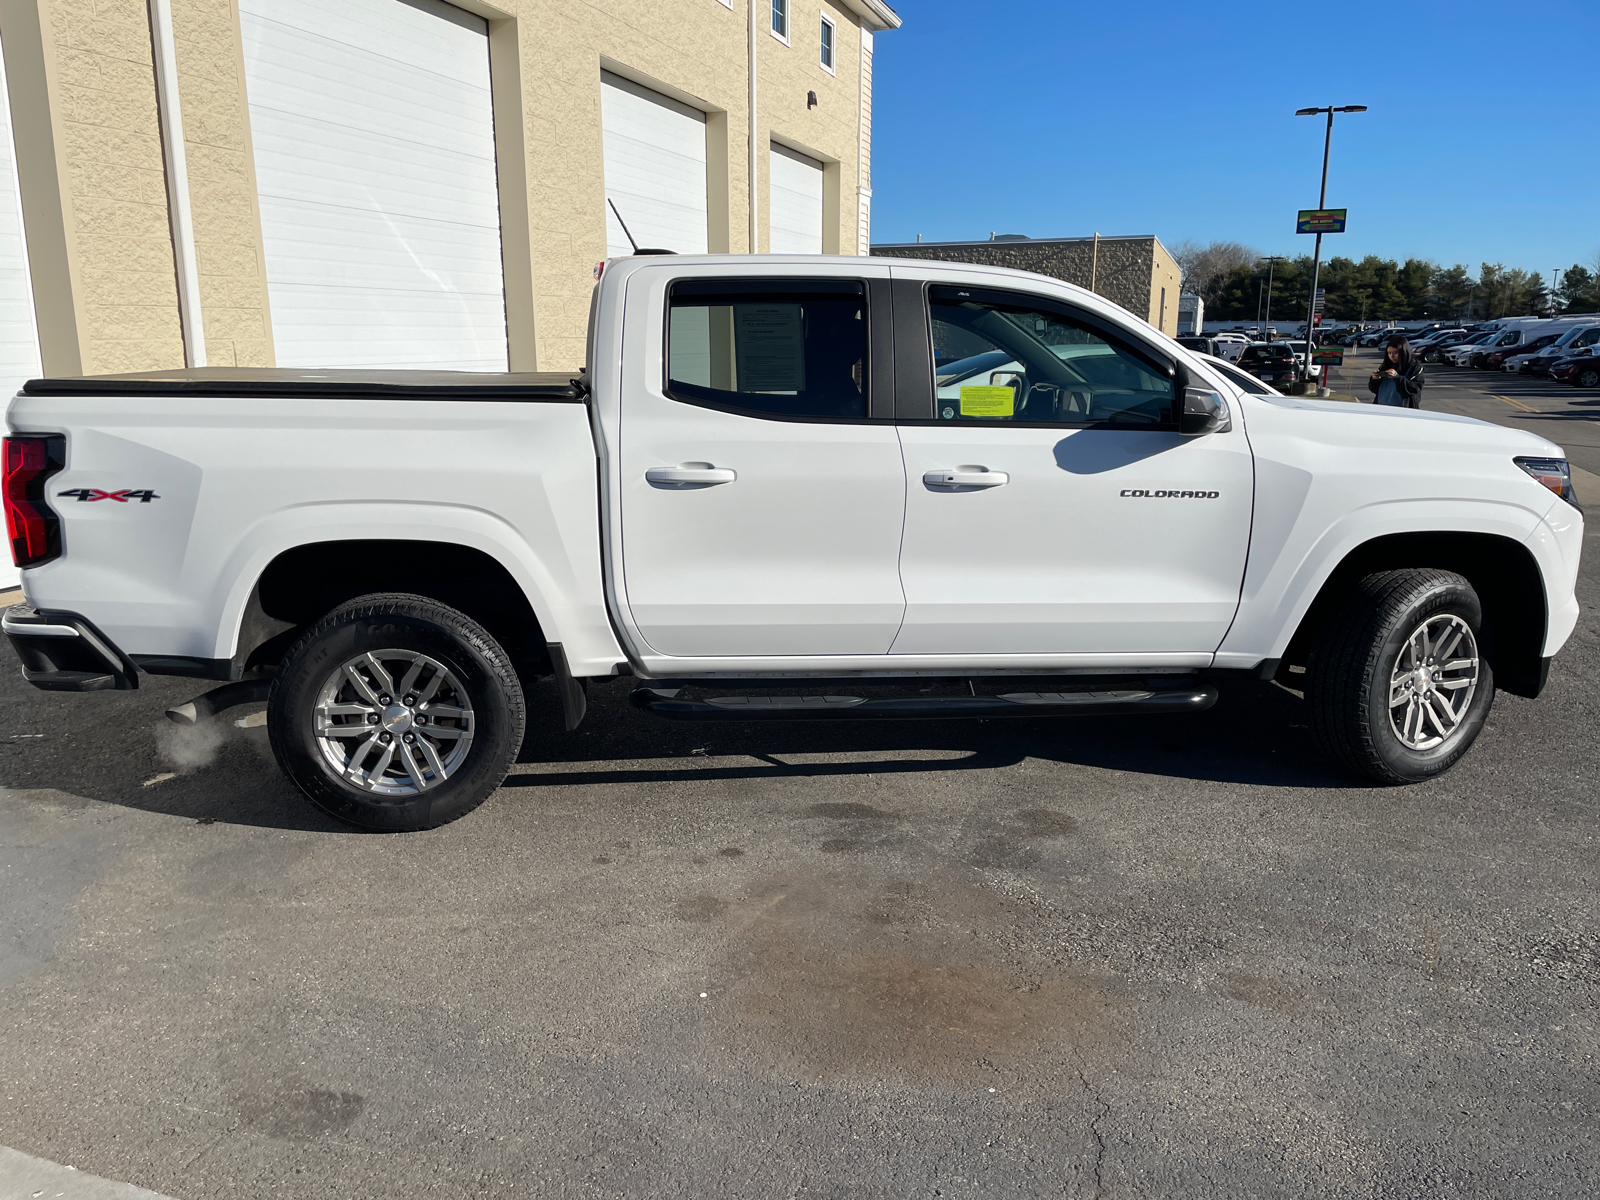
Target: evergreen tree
pixel 1578 292
pixel 1453 291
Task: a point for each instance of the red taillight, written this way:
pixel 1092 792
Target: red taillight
pixel 34 531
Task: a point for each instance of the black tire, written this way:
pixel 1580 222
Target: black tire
pixel 1353 662
pixel 1586 377
pixel 463 656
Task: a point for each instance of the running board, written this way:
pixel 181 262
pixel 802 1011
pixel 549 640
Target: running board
pixel 662 700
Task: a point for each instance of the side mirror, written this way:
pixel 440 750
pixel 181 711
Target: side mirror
pixel 1204 412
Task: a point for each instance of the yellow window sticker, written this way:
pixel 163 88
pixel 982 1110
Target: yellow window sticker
pixel 988 402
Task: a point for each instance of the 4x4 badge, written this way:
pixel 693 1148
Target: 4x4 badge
pixel 142 495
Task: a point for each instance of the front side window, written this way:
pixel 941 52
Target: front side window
pixel 1021 361
pixel 780 18
pixel 787 348
pixel 827 43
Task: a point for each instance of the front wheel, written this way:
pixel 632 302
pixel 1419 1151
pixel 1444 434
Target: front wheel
pixel 1587 377
pixel 396 713
pixel 1398 684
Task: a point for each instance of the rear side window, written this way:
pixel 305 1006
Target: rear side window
pixel 785 348
pixel 1002 357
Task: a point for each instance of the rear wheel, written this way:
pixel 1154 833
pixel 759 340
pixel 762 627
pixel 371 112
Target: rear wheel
pixel 1398 684
pixel 395 712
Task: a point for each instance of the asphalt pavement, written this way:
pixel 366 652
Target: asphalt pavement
pixel 1567 415
pixel 1159 957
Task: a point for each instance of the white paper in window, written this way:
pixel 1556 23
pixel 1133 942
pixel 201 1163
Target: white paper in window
pixel 769 341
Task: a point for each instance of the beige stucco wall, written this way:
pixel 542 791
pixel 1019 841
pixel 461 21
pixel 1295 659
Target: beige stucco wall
pixel 94 184
pixel 696 51
pixel 95 190
pixel 1164 274
pixel 222 184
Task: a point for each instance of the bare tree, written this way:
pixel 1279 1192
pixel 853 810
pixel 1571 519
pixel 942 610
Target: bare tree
pixel 1205 267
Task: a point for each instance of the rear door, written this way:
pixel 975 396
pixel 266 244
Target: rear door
pixel 762 498
pixel 1052 506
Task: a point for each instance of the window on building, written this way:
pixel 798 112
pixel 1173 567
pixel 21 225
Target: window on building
pixel 780 18
pixel 827 44
pixel 787 348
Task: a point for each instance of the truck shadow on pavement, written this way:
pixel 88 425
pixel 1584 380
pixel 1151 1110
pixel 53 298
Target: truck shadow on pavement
pixel 118 749
pixel 1255 734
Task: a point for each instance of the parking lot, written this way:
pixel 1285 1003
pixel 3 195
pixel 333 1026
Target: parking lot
pixel 1567 415
pixel 1116 957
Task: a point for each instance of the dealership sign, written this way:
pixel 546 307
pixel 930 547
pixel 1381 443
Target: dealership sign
pixel 1320 220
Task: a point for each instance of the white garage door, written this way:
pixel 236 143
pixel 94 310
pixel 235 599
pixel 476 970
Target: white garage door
pixel 655 164
pixel 19 336
pixel 374 146
pixel 796 203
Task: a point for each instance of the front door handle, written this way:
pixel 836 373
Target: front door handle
pixel 966 477
pixel 690 475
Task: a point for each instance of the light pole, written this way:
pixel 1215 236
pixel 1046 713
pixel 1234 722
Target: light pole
pixel 1322 202
pixel 1272 261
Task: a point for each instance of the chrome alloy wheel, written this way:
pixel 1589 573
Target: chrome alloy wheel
pixel 1433 682
pixel 393 722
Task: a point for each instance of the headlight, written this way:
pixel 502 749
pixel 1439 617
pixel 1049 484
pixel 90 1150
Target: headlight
pixel 1554 473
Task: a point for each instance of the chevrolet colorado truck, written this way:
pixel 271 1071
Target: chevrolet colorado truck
pixel 813 488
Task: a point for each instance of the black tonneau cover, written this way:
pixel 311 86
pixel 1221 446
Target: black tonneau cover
pixel 302 383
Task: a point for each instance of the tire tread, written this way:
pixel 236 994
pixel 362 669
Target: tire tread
pixel 422 608
pixel 1345 657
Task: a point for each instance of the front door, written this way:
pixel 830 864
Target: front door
pixel 761 503
pixel 1052 506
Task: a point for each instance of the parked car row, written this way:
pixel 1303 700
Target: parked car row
pixel 1561 347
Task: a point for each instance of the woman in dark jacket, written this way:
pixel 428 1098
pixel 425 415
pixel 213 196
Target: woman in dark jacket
pixel 1398 379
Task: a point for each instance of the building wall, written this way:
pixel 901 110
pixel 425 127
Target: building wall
pixel 1130 271
pixel 95 190
pixel 1165 280
pixel 93 180
pixel 222 184
pixel 696 51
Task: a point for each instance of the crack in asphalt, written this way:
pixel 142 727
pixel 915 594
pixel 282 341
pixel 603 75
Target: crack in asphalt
pixel 1094 1128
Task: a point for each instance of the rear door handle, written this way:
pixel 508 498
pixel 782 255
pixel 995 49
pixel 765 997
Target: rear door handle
pixel 966 477
pixel 690 475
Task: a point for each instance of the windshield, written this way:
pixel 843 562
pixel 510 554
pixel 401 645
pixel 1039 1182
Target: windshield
pixel 1573 335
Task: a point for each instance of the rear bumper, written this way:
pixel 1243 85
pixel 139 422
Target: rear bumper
pixel 63 652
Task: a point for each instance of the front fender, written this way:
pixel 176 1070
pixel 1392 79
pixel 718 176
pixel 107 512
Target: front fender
pixel 1282 583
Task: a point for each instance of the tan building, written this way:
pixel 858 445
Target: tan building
pixel 403 182
pixel 1135 272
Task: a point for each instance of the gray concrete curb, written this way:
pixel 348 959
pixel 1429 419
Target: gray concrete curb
pixel 23 1177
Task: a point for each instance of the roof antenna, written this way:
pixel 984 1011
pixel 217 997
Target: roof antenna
pixel 629 236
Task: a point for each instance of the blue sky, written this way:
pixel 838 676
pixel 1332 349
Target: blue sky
pixel 1063 118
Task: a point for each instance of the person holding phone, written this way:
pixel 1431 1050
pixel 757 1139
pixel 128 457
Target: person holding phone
pixel 1398 379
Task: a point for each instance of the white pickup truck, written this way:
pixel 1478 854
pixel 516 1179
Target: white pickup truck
pixel 783 488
